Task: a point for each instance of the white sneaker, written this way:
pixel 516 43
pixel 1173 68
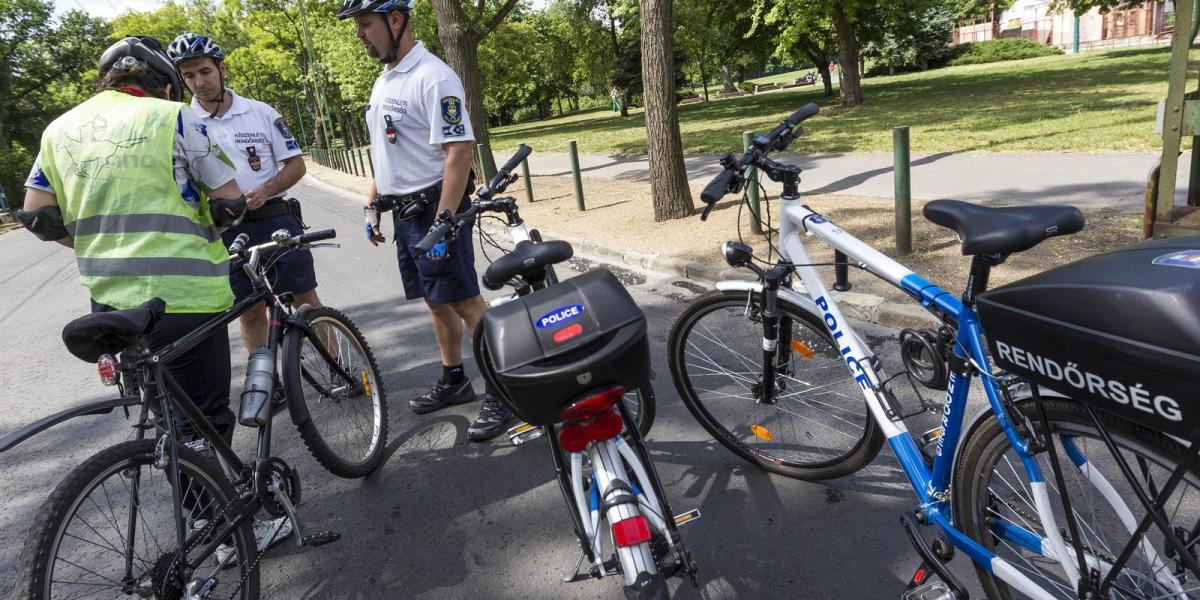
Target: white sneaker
pixel 263 530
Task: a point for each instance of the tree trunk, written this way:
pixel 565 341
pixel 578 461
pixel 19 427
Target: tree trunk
pixel 612 34
pixel 996 13
pixel 704 77
pixel 826 78
pixel 851 85
pixel 668 176
pixel 727 77
pixel 461 45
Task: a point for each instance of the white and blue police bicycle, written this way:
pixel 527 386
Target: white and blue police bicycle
pixel 1089 372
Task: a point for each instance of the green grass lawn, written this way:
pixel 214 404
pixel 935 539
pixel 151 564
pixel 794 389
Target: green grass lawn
pixel 1094 102
pixel 785 78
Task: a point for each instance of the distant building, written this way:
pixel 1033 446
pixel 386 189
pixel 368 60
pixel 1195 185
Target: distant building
pixel 1147 24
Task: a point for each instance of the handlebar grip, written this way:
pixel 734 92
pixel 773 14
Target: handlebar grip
pixel 316 236
pixel 504 176
pixel 523 152
pixel 805 112
pixel 718 187
pixel 239 243
pixel 431 239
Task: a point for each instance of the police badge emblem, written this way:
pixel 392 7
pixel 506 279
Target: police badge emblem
pixel 452 110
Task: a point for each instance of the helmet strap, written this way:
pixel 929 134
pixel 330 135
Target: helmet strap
pixel 221 98
pixel 394 41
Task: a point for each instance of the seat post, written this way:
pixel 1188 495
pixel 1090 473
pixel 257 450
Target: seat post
pixel 977 281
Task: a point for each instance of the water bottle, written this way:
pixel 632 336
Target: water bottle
pixel 256 393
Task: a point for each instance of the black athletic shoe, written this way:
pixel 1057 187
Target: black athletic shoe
pixel 442 395
pixel 493 416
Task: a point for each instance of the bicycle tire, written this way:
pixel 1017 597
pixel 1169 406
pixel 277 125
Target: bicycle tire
pixel 310 417
pixel 867 440
pixel 35 573
pixel 976 506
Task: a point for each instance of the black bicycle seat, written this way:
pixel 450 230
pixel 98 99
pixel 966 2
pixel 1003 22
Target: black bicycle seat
pixel 985 230
pixel 525 257
pixel 110 332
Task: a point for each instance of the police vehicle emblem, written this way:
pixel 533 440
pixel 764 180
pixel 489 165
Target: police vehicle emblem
pixel 559 316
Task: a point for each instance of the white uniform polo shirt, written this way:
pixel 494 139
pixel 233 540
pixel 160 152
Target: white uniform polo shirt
pixel 415 108
pixel 255 137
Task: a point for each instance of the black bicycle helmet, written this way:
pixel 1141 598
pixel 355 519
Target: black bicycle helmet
pixel 146 52
pixel 193 45
pixel 357 7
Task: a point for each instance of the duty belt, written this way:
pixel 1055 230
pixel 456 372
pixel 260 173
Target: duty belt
pixel 273 207
pixel 409 206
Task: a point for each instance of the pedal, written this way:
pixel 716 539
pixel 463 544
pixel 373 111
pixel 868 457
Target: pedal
pixel 523 433
pixel 930 590
pixel 687 517
pixel 955 591
pixel 320 539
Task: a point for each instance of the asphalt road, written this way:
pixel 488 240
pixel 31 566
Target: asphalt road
pixel 444 517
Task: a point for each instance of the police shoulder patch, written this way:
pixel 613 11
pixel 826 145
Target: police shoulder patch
pixel 452 110
pixel 283 129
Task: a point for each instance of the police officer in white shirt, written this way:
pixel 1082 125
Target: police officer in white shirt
pixel 256 138
pixel 422 146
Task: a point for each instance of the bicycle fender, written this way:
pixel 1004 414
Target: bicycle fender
pixel 102 407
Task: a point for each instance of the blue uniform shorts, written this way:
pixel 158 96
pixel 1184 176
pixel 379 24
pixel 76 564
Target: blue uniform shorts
pixel 451 279
pixel 291 270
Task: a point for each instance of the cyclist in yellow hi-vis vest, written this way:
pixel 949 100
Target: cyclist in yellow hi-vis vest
pixel 130 180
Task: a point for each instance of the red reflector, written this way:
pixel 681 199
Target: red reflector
pixel 107 367
pixel 920 576
pixel 592 405
pixel 568 333
pixel 574 437
pixel 631 531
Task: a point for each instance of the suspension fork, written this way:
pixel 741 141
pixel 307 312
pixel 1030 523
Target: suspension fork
pixel 771 322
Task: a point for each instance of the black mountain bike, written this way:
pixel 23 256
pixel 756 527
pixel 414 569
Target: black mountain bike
pixel 169 515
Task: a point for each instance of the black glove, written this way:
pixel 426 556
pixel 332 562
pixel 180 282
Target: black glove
pixel 227 213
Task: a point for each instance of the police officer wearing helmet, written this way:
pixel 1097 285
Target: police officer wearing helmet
pixel 132 183
pixel 421 146
pixel 256 138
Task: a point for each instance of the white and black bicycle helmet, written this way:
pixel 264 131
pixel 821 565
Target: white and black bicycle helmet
pixel 148 54
pixel 351 8
pixel 193 45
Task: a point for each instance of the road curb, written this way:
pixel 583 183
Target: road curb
pixel 856 305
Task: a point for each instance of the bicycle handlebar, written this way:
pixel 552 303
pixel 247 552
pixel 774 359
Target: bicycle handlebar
pixel 730 179
pixel 279 239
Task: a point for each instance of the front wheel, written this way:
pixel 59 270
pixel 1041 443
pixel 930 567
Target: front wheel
pixel 343 423
pixel 109 530
pixel 817 427
pixel 996 505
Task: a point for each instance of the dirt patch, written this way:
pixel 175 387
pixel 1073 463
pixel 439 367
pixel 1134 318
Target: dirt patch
pixel 620 215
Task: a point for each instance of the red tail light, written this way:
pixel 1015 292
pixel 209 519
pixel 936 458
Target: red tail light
pixel 574 437
pixel 107 367
pixel 631 531
pixel 590 406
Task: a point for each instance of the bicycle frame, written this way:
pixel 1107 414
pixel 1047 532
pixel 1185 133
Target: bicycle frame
pixel 932 483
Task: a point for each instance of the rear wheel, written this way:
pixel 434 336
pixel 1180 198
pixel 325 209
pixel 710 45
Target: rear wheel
pixel 343 423
pixel 117 508
pixel 996 505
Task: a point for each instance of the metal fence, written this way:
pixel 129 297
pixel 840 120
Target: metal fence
pixel 356 161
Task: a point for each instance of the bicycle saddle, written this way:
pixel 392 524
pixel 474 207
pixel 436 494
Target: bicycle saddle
pixel 985 230
pixel 526 256
pixel 110 332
